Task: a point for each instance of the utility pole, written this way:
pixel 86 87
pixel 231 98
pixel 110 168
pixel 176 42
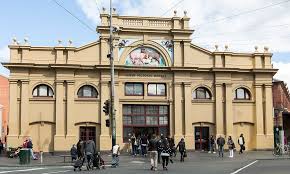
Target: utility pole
pixel 112 110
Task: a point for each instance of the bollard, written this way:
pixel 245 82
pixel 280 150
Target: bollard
pixel 41 159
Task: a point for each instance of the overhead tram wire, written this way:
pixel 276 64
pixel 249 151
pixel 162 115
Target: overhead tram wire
pixel 242 13
pixel 78 19
pixel 175 5
pixel 98 7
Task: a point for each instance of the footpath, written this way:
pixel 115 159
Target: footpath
pixel 57 160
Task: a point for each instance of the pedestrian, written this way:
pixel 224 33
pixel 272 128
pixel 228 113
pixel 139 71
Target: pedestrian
pixel 231 146
pixel 241 142
pixel 24 144
pixel 115 155
pixel 90 150
pixel 221 143
pixel 165 152
pixel 73 153
pixel 181 147
pixel 172 146
pixel 134 145
pixel 80 149
pixel 30 147
pixel 212 144
pixel 144 144
pixel 152 148
pixel 1 147
pixel 159 143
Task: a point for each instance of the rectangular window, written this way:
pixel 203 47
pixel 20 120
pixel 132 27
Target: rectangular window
pixel 127 120
pixel 42 90
pixel 163 120
pixel 134 89
pixel 156 89
pixel 240 93
pixel 138 120
pixel 152 120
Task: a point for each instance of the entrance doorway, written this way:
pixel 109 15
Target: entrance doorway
pixel 88 133
pixel 201 138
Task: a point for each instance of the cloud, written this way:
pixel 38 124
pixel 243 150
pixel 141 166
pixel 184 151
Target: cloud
pixel 284 71
pixel 4 54
pixel 265 27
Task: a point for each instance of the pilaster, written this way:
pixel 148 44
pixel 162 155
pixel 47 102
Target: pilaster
pixel 105 137
pixel 229 110
pixel 24 112
pixel 177 111
pixel 219 109
pixel 177 53
pixel 189 138
pixel 71 130
pixel 186 53
pixel 259 117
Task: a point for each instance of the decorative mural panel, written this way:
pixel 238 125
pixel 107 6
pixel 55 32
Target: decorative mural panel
pixel 145 56
pixel 123 44
pixel 168 45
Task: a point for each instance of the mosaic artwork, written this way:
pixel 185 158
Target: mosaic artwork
pixel 145 57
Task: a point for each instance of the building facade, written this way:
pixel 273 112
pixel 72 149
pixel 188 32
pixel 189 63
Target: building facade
pixel 164 85
pixel 281 103
pixel 4 107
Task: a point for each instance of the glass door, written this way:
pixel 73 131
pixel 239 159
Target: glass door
pixel 201 138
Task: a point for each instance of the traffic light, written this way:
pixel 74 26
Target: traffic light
pixel 107 123
pixel 106 107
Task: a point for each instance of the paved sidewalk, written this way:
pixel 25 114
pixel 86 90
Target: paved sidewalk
pixel 57 160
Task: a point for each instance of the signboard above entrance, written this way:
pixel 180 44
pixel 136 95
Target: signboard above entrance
pixel 145 56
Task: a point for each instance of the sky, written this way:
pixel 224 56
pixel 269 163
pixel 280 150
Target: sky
pixel 240 24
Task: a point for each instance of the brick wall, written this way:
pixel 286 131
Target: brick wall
pixel 281 96
pixel 4 100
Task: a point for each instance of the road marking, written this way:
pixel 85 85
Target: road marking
pixel 237 171
pixel 23 170
pixel 57 172
pixel 137 162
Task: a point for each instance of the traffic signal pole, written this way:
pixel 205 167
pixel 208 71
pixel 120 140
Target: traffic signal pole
pixel 112 96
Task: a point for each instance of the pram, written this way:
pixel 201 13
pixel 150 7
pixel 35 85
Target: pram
pixel 79 163
pixel 98 162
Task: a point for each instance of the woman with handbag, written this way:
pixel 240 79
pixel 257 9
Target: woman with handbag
pixel 231 145
pixel 182 150
pixel 165 152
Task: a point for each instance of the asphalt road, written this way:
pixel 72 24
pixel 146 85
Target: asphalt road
pixel 140 166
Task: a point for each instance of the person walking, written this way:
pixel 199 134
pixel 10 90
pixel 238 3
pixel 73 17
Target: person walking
pixel 73 153
pixel 212 144
pixel 1 147
pixel 80 149
pixel 30 147
pixel 152 148
pixel 165 152
pixel 159 142
pixel 90 150
pixel 241 142
pixel 115 155
pixel 181 147
pixel 144 144
pixel 231 146
pixel 221 143
pixel 134 145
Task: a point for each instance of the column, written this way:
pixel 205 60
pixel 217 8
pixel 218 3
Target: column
pixel 24 112
pixel 105 138
pixel 229 110
pixel 14 120
pixel 118 114
pixel 71 131
pixel 59 137
pixel 177 111
pixel 219 122
pixel 269 116
pixel 259 121
pixel 189 138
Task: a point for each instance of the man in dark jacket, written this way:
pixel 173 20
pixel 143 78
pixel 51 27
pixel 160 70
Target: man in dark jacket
pixel 73 153
pixel 181 146
pixel 221 142
pixel 144 143
pixel 152 148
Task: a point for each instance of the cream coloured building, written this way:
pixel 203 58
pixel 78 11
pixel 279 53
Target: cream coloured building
pixel 164 84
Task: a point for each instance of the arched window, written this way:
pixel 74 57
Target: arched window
pixel 42 91
pixel 201 93
pixel 87 91
pixel 242 94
